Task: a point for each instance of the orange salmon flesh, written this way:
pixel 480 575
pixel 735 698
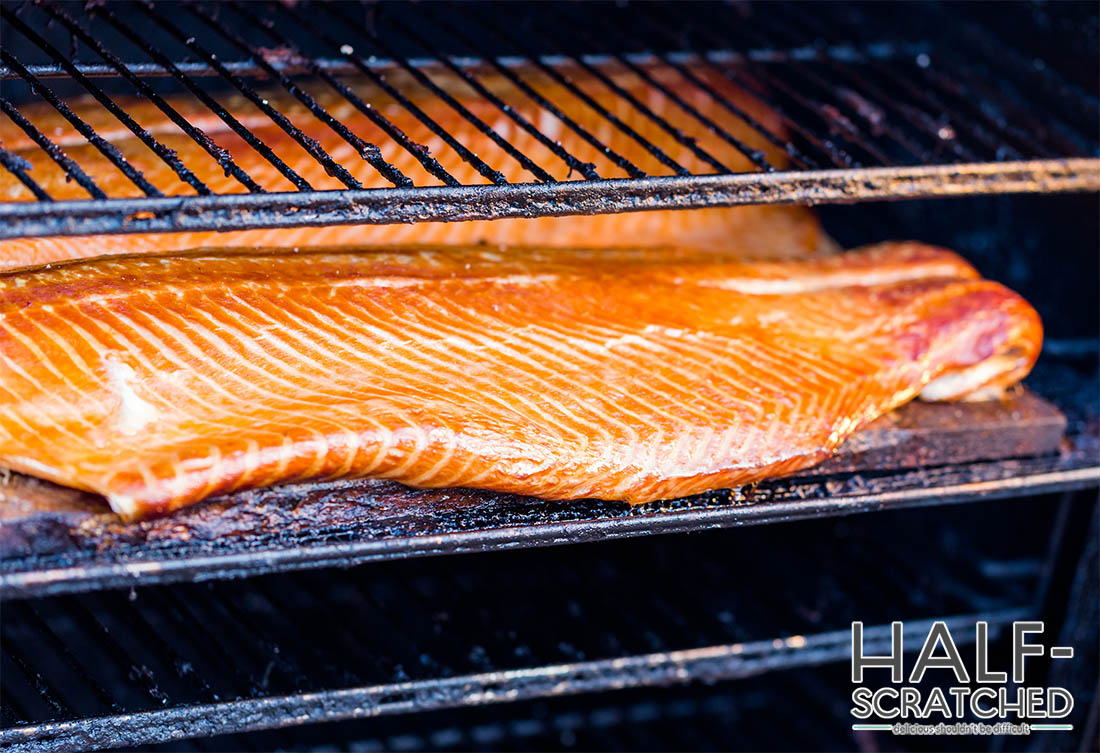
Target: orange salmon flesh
pixel 630 374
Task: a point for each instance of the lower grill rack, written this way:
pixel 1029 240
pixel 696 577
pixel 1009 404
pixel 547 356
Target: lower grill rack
pixel 108 669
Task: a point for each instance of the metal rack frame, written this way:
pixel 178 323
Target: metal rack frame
pixel 460 203
pixel 463 521
pixel 291 648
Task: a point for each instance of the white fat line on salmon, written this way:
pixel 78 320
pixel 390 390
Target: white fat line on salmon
pixel 969 382
pixel 827 281
pixel 133 413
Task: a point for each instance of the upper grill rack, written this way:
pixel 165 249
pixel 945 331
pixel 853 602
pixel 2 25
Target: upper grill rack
pixel 833 103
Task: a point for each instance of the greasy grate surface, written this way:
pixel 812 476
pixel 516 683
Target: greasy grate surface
pixel 797 710
pixel 742 715
pixel 167 648
pixel 243 104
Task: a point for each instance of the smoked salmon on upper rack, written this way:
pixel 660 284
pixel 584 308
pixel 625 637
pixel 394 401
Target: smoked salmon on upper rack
pixel 759 231
pixel 631 374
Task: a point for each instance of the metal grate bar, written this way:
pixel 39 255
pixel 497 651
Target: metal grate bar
pixel 166 155
pixel 963 100
pixel 576 91
pixel 46 690
pixel 105 148
pixel 72 170
pixel 18 167
pixel 931 101
pixel 298 181
pixel 235 125
pixel 830 151
pixel 826 113
pixel 311 146
pixel 460 203
pixel 873 109
pixel 464 112
pixel 29 613
pixel 420 154
pixel 754 156
pixel 369 152
pixel 574 164
pixel 547 105
pixel 483 169
pixel 221 156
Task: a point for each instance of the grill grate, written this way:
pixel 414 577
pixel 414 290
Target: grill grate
pixel 834 103
pixel 279 650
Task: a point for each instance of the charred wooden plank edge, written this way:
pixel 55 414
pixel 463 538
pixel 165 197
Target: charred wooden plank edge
pixel 461 203
pixel 708 664
pixel 996 480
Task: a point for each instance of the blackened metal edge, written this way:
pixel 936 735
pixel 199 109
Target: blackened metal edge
pixel 291 66
pixel 74 579
pixel 708 664
pixel 453 204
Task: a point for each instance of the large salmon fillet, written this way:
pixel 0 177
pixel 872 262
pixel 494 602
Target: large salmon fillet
pixel 762 231
pixel 629 375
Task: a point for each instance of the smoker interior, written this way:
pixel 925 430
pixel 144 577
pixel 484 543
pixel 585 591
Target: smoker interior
pixel 521 649
pixel 516 650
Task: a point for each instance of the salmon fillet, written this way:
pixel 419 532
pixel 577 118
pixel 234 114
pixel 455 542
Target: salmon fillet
pixel 762 231
pixel 632 374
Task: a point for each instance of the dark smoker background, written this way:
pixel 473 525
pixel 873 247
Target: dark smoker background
pixel 663 593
